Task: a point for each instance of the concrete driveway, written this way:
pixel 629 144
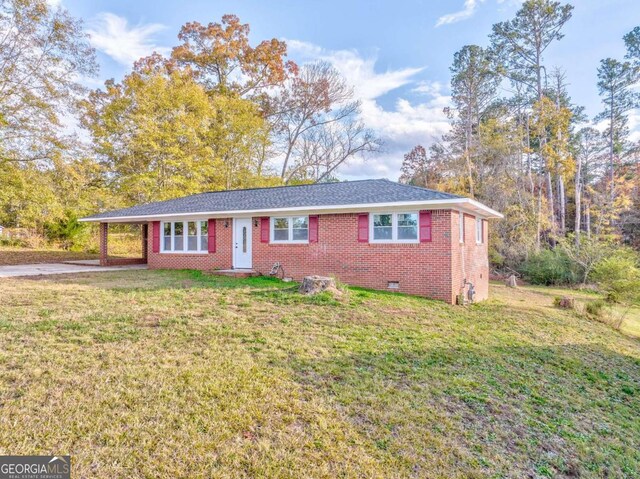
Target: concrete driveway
pixel 59 268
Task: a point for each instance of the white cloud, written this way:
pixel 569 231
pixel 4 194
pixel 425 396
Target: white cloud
pixel 634 125
pixel 467 12
pixel 358 71
pixel 401 126
pixel 126 44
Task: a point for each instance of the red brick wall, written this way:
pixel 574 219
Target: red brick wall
pixel 420 268
pixel 428 269
pixel 221 259
pixel 470 260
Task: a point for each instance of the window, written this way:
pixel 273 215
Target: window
pixel 290 229
pixel 407 226
pixel 192 239
pixel 461 227
pixel 479 230
pixel 204 235
pixel 382 227
pixel 178 236
pixel 300 228
pixel 394 227
pixel 185 237
pixel 166 238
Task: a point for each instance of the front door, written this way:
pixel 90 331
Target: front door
pixel 242 243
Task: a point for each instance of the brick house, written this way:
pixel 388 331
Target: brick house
pixel 372 233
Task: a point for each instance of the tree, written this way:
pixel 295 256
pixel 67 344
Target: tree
pixel 615 81
pixel 588 147
pixel 632 42
pixel 221 58
pixel 473 89
pixel 161 135
pixel 420 169
pixel 315 121
pixel 43 51
pixel 518 46
pixel 322 150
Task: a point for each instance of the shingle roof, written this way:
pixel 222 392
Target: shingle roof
pixel 255 199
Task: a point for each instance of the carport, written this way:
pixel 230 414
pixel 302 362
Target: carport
pixel 107 260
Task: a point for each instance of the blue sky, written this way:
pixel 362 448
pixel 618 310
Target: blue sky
pixel 396 53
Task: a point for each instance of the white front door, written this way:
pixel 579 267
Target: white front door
pixel 242 243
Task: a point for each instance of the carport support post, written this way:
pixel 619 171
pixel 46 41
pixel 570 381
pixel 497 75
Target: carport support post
pixel 145 239
pixel 104 237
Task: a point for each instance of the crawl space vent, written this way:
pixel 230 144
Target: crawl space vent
pixel 393 285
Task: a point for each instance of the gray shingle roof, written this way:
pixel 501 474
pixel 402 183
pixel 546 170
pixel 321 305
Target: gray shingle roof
pixel 322 194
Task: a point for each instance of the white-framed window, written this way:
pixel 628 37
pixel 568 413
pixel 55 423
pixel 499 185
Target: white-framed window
pixel 185 236
pixel 478 230
pixel 461 227
pixel 289 229
pixel 393 227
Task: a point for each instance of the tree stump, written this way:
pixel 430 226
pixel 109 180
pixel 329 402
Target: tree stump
pixel 511 282
pixel 316 284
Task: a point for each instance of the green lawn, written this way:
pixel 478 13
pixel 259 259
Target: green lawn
pixel 175 374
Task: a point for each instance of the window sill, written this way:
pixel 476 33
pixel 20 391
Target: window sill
pixel 394 242
pixel 288 243
pixel 185 252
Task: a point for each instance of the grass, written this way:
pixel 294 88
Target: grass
pixel 542 294
pixel 178 374
pixel 10 255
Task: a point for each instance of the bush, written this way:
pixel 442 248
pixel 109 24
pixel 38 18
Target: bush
pixel 595 308
pixel 564 302
pixel 618 276
pixel 69 232
pixel 548 267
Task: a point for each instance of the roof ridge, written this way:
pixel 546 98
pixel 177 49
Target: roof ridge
pixel 422 188
pixel 257 188
pixel 292 186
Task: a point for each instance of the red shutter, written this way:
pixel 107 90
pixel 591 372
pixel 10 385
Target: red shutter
pixel 363 228
pixel 425 226
pixel 211 229
pixel 313 229
pixel 264 230
pixel 156 236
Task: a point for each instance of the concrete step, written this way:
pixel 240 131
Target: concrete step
pixel 235 273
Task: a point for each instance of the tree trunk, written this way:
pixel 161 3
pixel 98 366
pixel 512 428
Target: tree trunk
pixel 467 148
pixel 562 206
pixel 578 200
pixel 539 220
pixel 551 206
pixel 611 149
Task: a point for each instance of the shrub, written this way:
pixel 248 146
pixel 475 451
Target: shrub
pixel 548 267
pixel 584 255
pixel 618 276
pixel 69 232
pixel 595 308
pixel 564 302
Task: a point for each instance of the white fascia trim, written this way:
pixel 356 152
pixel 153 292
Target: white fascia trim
pixel 467 204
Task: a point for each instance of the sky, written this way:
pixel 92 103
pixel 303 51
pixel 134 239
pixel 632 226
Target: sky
pixel 395 53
